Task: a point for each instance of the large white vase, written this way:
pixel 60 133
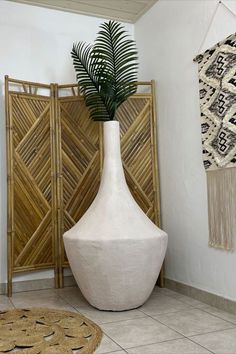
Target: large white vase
pixel 115 251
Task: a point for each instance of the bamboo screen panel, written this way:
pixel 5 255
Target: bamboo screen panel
pixel 31 189
pixel 138 152
pixel 81 158
pixel 55 155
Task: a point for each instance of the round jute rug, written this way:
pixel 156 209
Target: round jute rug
pixel 47 331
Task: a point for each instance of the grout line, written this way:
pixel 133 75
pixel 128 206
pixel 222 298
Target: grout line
pixel 34 290
pixel 146 315
pixel 221 318
pixel 167 340
pixel 172 340
pixel 167 313
pixel 114 351
pixel 10 300
pixel 73 306
pixel 210 351
pixel 216 300
pixel 191 307
pixel 113 342
pixel 184 302
pixel 188 306
pixel 29 291
pixel 67 302
pixel 77 308
pixel 164 341
pixel 155 319
pixel 216 331
pixel 195 335
pixel 103 323
pixel 110 322
pixel 201 308
pixel 122 321
pixel 184 336
pixel 98 325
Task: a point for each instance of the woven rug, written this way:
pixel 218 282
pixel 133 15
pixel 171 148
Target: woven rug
pixel 47 331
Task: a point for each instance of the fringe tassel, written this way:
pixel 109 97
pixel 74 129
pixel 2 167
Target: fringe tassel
pixel 222 207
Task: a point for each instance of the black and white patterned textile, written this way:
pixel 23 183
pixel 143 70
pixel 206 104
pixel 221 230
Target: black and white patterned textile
pixel 217 81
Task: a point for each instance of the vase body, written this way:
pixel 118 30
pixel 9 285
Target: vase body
pixel 115 251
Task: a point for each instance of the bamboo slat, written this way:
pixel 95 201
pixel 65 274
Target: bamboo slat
pixel 10 186
pixel 27 83
pixel 155 169
pixel 54 159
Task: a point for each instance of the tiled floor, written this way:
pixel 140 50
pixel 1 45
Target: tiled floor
pixel 169 323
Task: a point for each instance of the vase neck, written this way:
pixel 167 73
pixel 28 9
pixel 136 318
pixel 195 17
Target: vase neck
pixel 113 173
pixel 111 136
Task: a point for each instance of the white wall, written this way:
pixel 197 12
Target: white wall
pixel 168 38
pixel 35 46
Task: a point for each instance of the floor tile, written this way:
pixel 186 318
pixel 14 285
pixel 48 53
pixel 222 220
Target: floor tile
pixel 189 300
pixel 74 297
pixel 219 313
pixel 158 304
pixel 5 303
pixel 67 291
pixel 183 298
pixel 221 342
pixel 108 316
pixel 140 331
pixel 41 298
pixel 193 322
pixel 47 293
pixel 119 352
pixel 107 346
pixel 177 346
pixel 164 291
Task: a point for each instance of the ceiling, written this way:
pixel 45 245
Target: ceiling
pixel 121 10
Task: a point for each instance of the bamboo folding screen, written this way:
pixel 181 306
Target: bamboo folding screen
pixel 55 155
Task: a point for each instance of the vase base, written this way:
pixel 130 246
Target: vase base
pixel 118 307
pixel 124 310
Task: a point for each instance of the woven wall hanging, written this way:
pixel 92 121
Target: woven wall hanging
pixel 217 81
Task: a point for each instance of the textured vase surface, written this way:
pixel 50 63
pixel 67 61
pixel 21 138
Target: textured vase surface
pixel 115 251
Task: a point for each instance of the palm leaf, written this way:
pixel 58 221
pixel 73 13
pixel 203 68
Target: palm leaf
pixel 88 79
pixel 106 72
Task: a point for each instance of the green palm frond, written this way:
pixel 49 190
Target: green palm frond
pixel 107 71
pixel 89 80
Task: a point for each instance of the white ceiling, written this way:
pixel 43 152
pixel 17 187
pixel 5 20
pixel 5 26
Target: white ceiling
pixel 121 10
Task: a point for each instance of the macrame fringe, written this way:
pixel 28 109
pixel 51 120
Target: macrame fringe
pixel 222 207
